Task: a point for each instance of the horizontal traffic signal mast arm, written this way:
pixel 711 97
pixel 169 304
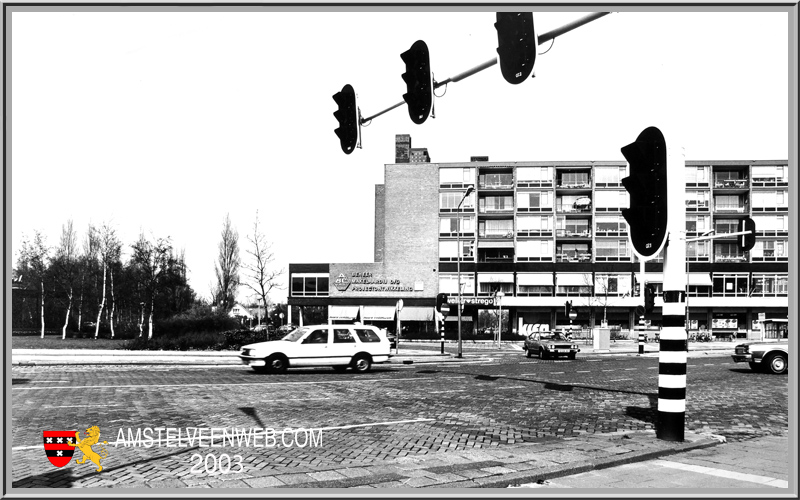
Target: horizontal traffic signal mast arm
pixel 550 35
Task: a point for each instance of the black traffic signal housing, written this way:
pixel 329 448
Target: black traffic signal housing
pixel 440 300
pixel 647 188
pixel 567 307
pixel 348 118
pixel 649 298
pixel 419 82
pixel 517 45
pixel 747 241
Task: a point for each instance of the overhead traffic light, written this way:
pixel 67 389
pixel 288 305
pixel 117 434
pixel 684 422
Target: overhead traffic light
pixel 517 45
pixel 649 298
pixel 647 187
pixel 347 115
pixel 747 241
pixel 441 299
pixel 419 82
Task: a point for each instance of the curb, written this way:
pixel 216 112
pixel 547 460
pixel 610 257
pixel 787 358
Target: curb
pixel 514 479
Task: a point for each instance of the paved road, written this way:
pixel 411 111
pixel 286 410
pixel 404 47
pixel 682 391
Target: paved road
pixel 397 411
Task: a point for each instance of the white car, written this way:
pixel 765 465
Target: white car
pixel 339 346
pixel 768 356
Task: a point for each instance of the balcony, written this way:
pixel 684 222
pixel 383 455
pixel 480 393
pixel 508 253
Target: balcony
pixel 583 205
pixel 496 181
pixel 573 233
pixel 730 183
pixel 730 208
pixel 496 233
pixel 574 257
pixel 721 257
pixel 581 184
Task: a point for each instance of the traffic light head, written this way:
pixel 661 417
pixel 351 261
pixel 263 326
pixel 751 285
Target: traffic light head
pixel 419 83
pixel 747 241
pixel 517 45
pixel 347 116
pixel 567 307
pixel 647 188
pixel 441 299
pixel 649 298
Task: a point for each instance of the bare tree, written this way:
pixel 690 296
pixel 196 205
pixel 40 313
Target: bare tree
pixel 152 260
pixel 109 250
pixel 260 277
pixel 91 244
pixel 66 267
pixel 227 265
pixel 35 255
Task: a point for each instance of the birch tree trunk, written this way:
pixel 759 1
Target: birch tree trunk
pixel 80 309
pixel 150 321
pixel 102 304
pixel 141 322
pixel 113 303
pixel 66 319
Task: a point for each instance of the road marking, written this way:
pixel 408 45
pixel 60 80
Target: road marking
pixel 82 406
pixel 556 373
pixel 652 367
pixel 709 364
pixel 22 448
pixel 629 369
pixel 282 400
pixel 609 370
pixel 583 371
pixel 619 379
pixel 50 381
pixel 514 387
pixel 447 392
pixel 359 381
pixel 740 476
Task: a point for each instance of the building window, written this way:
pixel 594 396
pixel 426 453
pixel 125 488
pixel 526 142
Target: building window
pixel 447 250
pixel 491 288
pixel 534 250
pixel 609 176
pixel 448 283
pixel 730 179
pixel 610 225
pixel 456 177
pixel 448 226
pixel 763 200
pixel 769 175
pixel 610 201
pixel 496 204
pixel 612 284
pixel 697 223
pixel 496 181
pixel 723 226
pixel 697 250
pixel 528 225
pixel 611 250
pixel 573 252
pixel 771 225
pixel 728 252
pixel 770 250
pixel 730 285
pixel 696 175
pixel 770 285
pixel 573 227
pixel 730 203
pixel 534 176
pixel 574 203
pixel 309 285
pixel 501 228
pixel 535 291
pixel 535 201
pixel 448 202
pixel 697 200
pixel 574 180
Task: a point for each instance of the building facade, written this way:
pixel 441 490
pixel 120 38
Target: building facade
pixel 533 235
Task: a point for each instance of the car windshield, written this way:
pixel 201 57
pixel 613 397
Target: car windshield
pixel 295 335
pixel 558 336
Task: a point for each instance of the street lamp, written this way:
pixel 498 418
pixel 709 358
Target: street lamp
pixel 460 306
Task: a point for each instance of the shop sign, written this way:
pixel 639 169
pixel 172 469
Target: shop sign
pixel 367 282
pixel 341 282
pixel 477 301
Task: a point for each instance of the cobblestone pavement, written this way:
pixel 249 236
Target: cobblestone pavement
pixel 398 413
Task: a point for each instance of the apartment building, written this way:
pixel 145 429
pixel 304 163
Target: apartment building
pixel 534 234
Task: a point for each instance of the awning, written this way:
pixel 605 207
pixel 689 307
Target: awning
pixel 378 313
pixel 699 279
pixel 342 313
pixel 650 277
pixel 535 279
pixel 574 279
pixel 495 244
pixel 416 314
pixel 495 278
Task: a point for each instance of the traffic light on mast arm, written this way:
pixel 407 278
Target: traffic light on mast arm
pixel 517 45
pixel 347 116
pixel 649 298
pixel 647 188
pixel 747 241
pixel 419 82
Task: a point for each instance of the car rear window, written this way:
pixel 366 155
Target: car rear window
pixel 366 335
pixel 342 336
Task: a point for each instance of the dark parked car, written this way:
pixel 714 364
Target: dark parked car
pixel 547 344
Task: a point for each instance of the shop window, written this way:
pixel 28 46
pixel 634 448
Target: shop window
pixel 309 285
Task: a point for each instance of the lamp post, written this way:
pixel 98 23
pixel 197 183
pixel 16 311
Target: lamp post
pixel 460 306
pixel 499 297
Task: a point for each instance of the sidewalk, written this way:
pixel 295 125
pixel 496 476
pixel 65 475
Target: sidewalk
pixel 495 467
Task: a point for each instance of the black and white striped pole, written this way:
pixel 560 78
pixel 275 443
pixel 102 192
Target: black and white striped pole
pixel 640 314
pixel 673 342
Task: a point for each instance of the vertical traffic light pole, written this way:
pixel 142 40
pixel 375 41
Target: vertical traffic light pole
pixel 673 341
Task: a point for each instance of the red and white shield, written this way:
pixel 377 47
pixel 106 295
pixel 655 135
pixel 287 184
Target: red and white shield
pixel 56 445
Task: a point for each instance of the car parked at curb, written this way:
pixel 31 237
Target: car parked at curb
pixel 767 356
pixel 339 346
pixel 550 344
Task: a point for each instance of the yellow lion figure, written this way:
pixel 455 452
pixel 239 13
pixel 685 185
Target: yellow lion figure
pixel 85 445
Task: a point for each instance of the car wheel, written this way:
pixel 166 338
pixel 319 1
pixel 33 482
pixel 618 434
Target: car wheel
pixel 571 355
pixel 754 366
pixel 362 363
pixel 776 364
pixel 543 354
pixel 277 363
pixel 529 353
pixel 340 368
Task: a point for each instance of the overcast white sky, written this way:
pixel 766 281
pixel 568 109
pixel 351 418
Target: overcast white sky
pixel 166 121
